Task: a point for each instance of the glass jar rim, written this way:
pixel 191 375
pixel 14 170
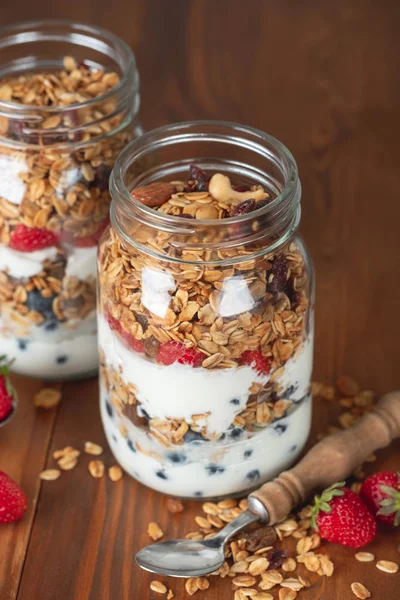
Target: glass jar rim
pixel 109 37
pixel 287 200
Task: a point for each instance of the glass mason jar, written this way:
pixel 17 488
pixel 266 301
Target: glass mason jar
pixel 69 97
pixel 205 323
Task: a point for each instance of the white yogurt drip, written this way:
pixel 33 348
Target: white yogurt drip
pixel 82 263
pixel 12 188
pixel 25 264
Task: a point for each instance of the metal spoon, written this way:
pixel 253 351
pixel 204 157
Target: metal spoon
pixel 332 459
pixel 188 558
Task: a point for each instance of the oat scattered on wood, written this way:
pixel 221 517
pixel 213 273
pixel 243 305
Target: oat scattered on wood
pixel 94 449
pixel 360 590
pixel 157 586
pixel 96 469
pixel 154 531
pixel 115 473
pixel 47 398
pixel 50 474
pixel 388 566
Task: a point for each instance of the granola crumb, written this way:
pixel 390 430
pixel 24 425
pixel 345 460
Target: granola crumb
pixel 47 398
pixel 154 531
pixel 115 473
pixel 96 468
pixel 174 505
pixel 360 591
pixel 157 586
pixel 170 595
pixel 50 474
pixel 94 449
pixel 387 566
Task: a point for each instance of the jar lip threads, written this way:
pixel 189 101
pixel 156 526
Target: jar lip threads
pixel 68 103
pixel 205 336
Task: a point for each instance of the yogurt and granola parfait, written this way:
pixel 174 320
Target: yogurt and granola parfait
pixel 205 316
pixel 61 128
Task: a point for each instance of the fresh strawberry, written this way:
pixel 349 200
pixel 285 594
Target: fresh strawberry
pixel 13 501
pixel 340 516
pixel 26 239
pixel 7 392
pixel 254 358
pixel 381 493
pixel 132 342
pixel 172 352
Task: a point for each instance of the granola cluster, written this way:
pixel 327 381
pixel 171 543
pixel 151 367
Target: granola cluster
pixel 54 189
pixel 252 311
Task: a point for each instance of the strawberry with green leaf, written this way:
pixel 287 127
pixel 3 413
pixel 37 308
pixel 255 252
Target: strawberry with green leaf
pixel 381 493
pixel 339 515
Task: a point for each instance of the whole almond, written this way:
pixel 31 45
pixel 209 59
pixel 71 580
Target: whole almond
pixel 154 194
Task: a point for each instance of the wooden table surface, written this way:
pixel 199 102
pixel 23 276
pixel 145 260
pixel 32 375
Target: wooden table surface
pixel 323 77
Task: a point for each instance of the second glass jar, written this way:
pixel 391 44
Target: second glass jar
pixel 68 105
pixel 205 311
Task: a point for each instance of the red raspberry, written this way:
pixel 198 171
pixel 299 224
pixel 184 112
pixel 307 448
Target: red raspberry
pixel 172 352
pixel 13 501
pixel 132 342
pixel 255 359
pixel 26 239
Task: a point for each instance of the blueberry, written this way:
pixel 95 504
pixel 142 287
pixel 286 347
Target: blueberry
pixel 193 437
pixel 51 325
pixel 214 469
pixel 248 453
pixel 62 359
pixel 290 391
pixel 114 437
pixel 235 401
pixel 161 474
pixel 280 428
pixel 131 446
pixel 22 344
pixel 236 432
pixel 36 302
pixel 177 457
pixel 109 409
pixel 198 494
pixel 253 475
pixel 293 449
pixel 143 413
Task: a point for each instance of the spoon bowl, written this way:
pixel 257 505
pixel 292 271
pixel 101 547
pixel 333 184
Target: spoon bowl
pixel 190 558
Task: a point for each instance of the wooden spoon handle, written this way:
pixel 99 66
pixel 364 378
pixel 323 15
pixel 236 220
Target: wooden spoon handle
pixel 332 459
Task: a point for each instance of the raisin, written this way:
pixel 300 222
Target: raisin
pixel 198 179
pixel 241 188
pixel 276 558
pixel 244 207
pixel 151 346
pixel 260 538
pixel 279 279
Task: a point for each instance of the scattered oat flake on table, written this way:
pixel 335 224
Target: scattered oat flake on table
pixel 347 386
pixel 174 505
pixel 191 586
pixel 158 587
pixel 155 531
pixel 170 595
pixel 50 474
pixel 286 594
pixel 360 590
pixel 387 566
pixel 364 556
pixel 47 398
pixel 96 468
pixel 115 473
pixel 94 449
pixel 67 462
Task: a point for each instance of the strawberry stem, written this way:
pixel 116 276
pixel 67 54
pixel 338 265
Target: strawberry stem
pixel 321 503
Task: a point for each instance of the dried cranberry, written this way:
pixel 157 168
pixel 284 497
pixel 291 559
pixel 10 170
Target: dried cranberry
pixel 198 179
pixel 186 216
pixel 279 279
pixel 276 558
pixel 241 188
pixel 101 177
pixel 151 346
pixel 262 203
pixel 244 207
pixel 142 319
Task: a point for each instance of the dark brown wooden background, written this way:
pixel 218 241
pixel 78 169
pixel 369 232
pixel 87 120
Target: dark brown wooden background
pixel 323 77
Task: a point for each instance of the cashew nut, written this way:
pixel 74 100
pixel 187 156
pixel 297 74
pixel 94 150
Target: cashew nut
pixel 220 188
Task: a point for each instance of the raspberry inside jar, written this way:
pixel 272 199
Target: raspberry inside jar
pixel 205 337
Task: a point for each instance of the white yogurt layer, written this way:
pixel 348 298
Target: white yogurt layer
pixel 208 469
pixel 25 264
pixel 12 188
pixel 52 360
pixel 82 263
pixel 180 391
